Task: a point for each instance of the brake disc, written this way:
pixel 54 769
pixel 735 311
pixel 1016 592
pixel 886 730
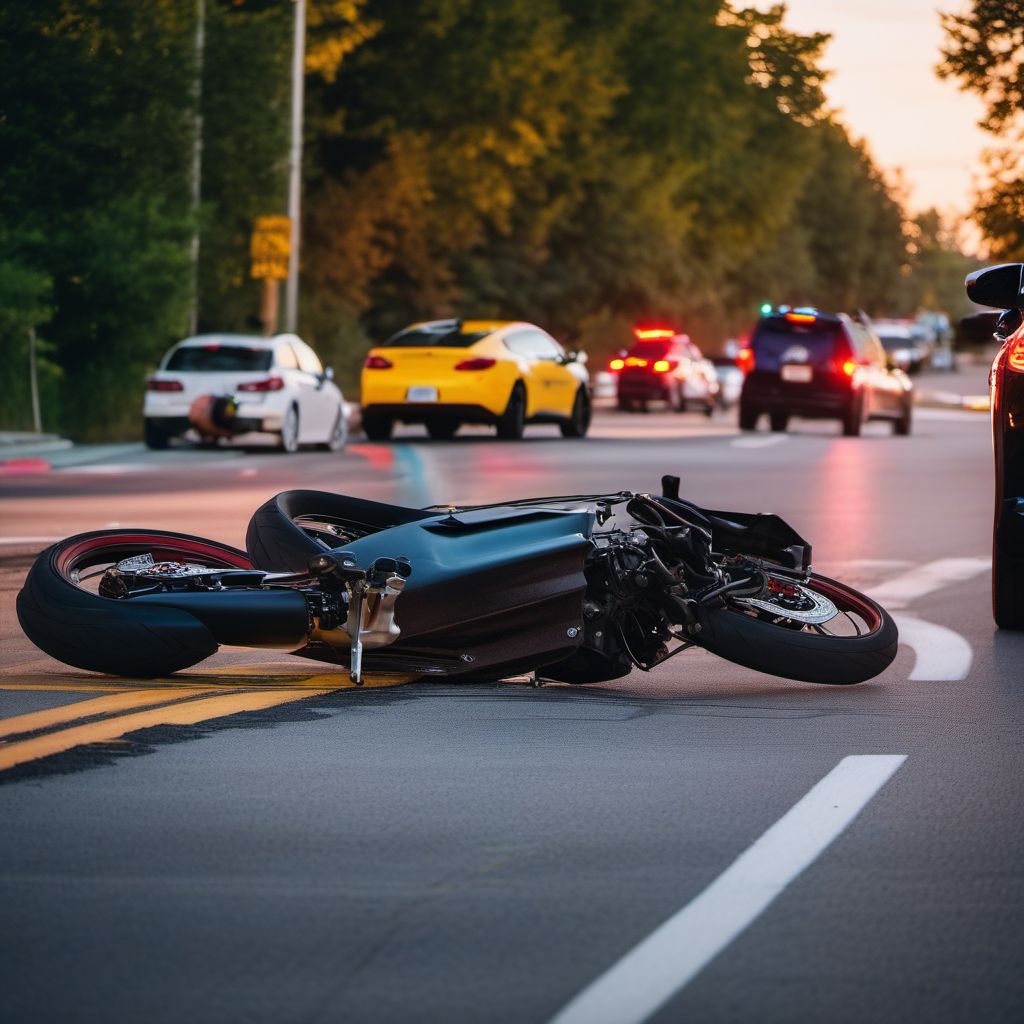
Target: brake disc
pixel 805 606
pixel 146 566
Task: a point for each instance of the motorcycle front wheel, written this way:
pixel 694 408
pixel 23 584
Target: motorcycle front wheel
pixel 854 645
pixel 62 612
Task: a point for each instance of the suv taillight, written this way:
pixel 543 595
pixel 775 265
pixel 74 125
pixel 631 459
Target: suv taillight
pixel 480 363
pixel 270 384
pixel 164 385
pixel 745 359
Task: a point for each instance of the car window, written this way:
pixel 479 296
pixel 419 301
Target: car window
pixel 534 344
pixel 654 349
pixel 432 337
pixel 778 340
pixel 217 357
pixel 286 357
pixel 874 349
pixel 308 360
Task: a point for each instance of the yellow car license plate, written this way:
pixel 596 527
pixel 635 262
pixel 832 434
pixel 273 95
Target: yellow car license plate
pixel 421 394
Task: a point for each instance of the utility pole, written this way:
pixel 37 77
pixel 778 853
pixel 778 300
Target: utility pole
pixel 291 295
pixel 33 371
pixel 197 159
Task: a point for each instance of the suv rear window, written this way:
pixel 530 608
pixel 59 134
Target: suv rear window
pixel 652 349
pixel 778 340
pixel 230 358
pixel 421 337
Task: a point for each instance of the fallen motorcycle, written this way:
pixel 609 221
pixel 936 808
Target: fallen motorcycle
pixel 580 589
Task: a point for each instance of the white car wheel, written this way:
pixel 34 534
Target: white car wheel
pixel 290 430
pixel 339 433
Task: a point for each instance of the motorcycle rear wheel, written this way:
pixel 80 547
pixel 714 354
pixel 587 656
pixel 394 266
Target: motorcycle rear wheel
pixel 62 613
pixel 811 654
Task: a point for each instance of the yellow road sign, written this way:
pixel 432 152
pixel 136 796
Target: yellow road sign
pixel 270 247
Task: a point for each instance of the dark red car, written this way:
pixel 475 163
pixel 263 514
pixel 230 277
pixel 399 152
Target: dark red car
pixel 1003 288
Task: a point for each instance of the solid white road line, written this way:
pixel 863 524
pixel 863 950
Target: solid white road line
pixel 940 653
pixel 763 441
pixel 29 540
pixel 901 590
pixel 648 976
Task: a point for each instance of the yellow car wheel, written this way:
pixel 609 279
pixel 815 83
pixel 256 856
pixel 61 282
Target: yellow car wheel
pixel 513 419
pixel 578 422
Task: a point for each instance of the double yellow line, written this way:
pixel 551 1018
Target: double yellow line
pixel 28 737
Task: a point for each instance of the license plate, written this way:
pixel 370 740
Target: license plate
pixel 421 394
pixel 796 373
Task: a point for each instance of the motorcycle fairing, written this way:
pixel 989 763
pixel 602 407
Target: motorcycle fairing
pixel 490 588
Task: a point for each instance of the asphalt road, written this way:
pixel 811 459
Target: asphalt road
pixel 487 853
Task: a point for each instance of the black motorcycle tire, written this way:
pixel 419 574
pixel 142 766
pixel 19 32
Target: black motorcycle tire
pixel 809 657
pixel 116 637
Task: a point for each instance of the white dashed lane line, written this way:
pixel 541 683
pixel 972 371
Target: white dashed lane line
pixel 941 654
pixel 899 591
pixel 759 441
pixel 647 977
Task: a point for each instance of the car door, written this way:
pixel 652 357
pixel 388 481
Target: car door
pixel 886 388
pixel 868 376
pixel 318 407
pixel 550 384
pixel 698 384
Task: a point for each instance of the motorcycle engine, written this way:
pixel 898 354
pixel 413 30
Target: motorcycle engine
pixel 625 623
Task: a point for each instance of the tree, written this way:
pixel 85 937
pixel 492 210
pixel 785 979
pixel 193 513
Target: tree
pixel 245 109
pixel 984 49
pixel 939 267
pixel 96 121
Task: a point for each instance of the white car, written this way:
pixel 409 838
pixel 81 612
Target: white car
pixel 903 342
pixel 274 386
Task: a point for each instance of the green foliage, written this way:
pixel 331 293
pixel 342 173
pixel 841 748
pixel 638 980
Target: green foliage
pixel 96 100
pixel 939 268
pixel 245 108
pixel 984 49
pixel 25 302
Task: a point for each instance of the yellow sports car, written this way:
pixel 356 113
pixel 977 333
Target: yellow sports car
pixel 448 372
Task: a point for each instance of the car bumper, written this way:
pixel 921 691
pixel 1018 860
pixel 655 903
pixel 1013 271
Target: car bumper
pixel 422 412
pixel 173 418
pixel 646 390
pixel 796 401
pixel 475 392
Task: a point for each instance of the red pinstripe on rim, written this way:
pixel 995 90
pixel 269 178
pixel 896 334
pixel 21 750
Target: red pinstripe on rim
pixel 116 546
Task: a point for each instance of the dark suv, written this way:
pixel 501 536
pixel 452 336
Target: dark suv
pixel 823 366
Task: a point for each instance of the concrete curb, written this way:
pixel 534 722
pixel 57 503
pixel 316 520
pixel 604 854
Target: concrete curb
pixel 951 400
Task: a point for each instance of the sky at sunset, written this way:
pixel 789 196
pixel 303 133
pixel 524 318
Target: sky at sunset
pixel 883 57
